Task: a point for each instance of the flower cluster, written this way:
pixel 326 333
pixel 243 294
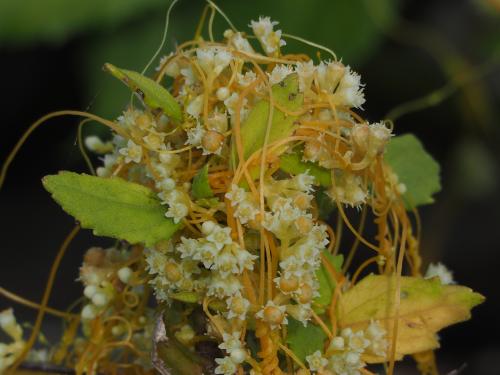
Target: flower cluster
pixel 10 352
pixel 236 354
pixel 262 146
pixel 344 354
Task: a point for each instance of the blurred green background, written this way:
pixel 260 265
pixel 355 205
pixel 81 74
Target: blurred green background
pixel 51 57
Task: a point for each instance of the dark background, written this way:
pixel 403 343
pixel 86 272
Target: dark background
pixel 52 51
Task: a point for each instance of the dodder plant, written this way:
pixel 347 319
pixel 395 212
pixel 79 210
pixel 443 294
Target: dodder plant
pixel 219 184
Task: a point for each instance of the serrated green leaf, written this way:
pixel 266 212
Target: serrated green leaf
pixel 426 306
pixel 304 341
pixel 326 283
pixel 292 163
pixel 415 168
pixel 253 130
pixel 201 188
pixel 112 207
pixel 154 95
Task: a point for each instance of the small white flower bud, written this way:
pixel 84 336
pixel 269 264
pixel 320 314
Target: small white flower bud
pixel 125 274
pixel 100 299
pixel 117 330
pixel 89 291
pixel 89 312
pixel 7 319
pixel 337 343
pixel 238 355
pixel 222 93
pixel 207 227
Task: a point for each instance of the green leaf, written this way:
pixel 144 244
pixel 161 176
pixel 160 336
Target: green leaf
pixel 55 21
pixel 426 306
pixel 415 168
pixel 112 207
pixel 326 283
pixel 292 163
pixel 201 188
pixel 154 95
pixel 186 297
pixel 253 130
pixel 304 341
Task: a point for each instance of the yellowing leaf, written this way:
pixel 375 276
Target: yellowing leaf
pixel 201 188
pixel 253 130
pixel 292 163
pixel 426 307
pixel 415 168
pixel 152 93
pixel 112 207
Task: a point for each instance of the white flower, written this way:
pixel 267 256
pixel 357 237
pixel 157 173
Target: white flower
pixel 206 252
pixel 220 236
pixel 132 152
pixel 188 247
pixel 155 261
pixel 9 324
pixel 378 343
pixel 225 263
pixel 350 89
pixel 305 71
pixel 231 342
pixel 440 270
pixel 270 40
pixel 172 69
pixel 231 104
pixel 316 361
pixel 236 195
pixel 213 60
pixel 155 140
pixel 240 42
pixel 217 121
pixel 337 343
pixel 226 366
pixel 237 307
pixel 273 314
pixel 347 363
pixel 328 75
pixel 177 211
pixel 304 182
pixel 348 189
pixel 357 341
pixel 300 312
pixel 189 76
pixel 246 211
pixel 195 106
pixel 279 73
pixel 166 184
pixel 195 135
pixel 246 79
pixel 221 286
pixel 95 144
